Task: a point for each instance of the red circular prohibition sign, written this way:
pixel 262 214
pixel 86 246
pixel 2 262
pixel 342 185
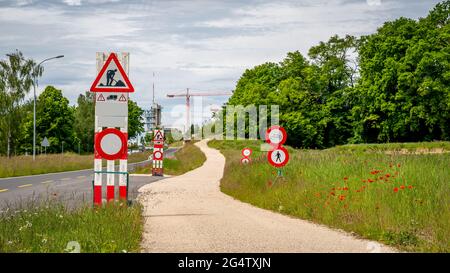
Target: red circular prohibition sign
pixel 98 141
pixel 281 157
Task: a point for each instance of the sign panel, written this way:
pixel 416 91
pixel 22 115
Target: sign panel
pixel 112 77
pixel 245 160
pixel 111 144
pixel 246 152
pixel 278 157
pixel 276 135
pixel 45 142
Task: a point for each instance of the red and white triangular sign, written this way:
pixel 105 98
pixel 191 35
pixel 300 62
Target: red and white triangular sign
pixel 112 77
pixel 123 98
pixel 158 136
pixel 101 98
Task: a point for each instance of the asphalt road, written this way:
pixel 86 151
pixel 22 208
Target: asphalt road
pixel 73 187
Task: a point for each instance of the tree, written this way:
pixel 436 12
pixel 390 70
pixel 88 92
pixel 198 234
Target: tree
pixel 55 120
pixel 16 79
pixel 84 121
pixel 135 124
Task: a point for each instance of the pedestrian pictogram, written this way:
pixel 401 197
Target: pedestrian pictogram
pixel 112 77
pixel 278 157
pixel 276 135
pixel 245 160
pixel 100 97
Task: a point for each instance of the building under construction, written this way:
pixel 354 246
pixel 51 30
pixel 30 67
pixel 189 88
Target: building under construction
pixel 152 117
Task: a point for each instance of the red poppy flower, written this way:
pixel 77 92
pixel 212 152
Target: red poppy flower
pixel 410 187
pixel 345 189
pixel 402 187
pixel 388 175
pixel 398 165
pixel 364 181
pixel 332 193
pixel 342 197
pixel 345 178
pixel 395 189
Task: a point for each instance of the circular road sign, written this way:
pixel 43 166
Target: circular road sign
pixel 245 160
pixel 278 157
pixel 246 152
pixel 111 144
pixel 276 135
pixel 157 155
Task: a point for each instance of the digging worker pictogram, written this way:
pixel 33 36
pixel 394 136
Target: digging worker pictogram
pixel 110 76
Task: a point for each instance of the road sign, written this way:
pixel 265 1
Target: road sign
pixel 112 77
pixel 276 135
pixel 157 155
pixel 158 136
pixel 278 157
pixel 246 152
pixel 111 144
pixel 45 143
pixel 245 160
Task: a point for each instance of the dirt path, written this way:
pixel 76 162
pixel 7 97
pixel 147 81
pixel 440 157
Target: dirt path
pixel 189 213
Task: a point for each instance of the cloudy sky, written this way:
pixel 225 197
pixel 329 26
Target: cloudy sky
pixel 203 45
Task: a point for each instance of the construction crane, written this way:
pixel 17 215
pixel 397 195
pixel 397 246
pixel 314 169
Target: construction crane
pixel 188 96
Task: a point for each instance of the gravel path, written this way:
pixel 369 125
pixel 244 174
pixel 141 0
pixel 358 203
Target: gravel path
pixel 189 213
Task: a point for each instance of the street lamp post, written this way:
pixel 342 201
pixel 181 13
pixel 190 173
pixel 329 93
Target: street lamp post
pixel 34 103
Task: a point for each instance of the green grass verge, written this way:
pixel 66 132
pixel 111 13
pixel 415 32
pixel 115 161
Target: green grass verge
pixel 51 227
pixel 186 159
pixel 401 200
pixel 51 163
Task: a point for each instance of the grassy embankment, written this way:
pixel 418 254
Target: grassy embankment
pixel 24 165
pixel 51 227
pixel 399 198
pixel 187 158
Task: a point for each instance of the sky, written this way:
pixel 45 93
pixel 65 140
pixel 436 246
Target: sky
pixel 201 45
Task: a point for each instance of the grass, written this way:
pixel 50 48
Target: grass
pixel 399 199
pixel 51 227
pixel 24 165
pixel 187 158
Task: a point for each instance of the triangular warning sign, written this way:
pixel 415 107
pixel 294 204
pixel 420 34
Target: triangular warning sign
pixel 122 98
pixel 158 136
pixel 112 77
pixel 100 98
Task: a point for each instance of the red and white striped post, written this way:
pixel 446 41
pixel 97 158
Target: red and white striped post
pixel 111 111
pixel 158 153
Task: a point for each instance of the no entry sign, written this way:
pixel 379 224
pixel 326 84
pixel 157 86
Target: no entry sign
pixel 276 135
pixel 111 144
pixel 278 157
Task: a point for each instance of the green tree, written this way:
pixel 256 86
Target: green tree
pixel 55 120
pixel 135 123
pixel 16 79
pixel 84 121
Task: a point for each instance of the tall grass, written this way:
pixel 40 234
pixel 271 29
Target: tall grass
pixel 24 165
pixel 399 199
pixel 52 227
pixel 187 158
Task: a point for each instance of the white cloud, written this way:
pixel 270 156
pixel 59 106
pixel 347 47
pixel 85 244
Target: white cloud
pixel 72 2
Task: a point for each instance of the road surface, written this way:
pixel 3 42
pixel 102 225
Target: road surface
pixel 73 187
pixel 189 213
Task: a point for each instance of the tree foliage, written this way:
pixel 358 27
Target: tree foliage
pixel 390 86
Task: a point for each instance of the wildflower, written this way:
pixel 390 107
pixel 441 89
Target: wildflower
pixel 388 175
pixel 395 189
pixel 342 197
pixel 410 187
pixel 398 165
pixel 332 193
pixel 364 181
pixel 371 181
pixel 345 178
pixel 402 187
pixel 345 189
